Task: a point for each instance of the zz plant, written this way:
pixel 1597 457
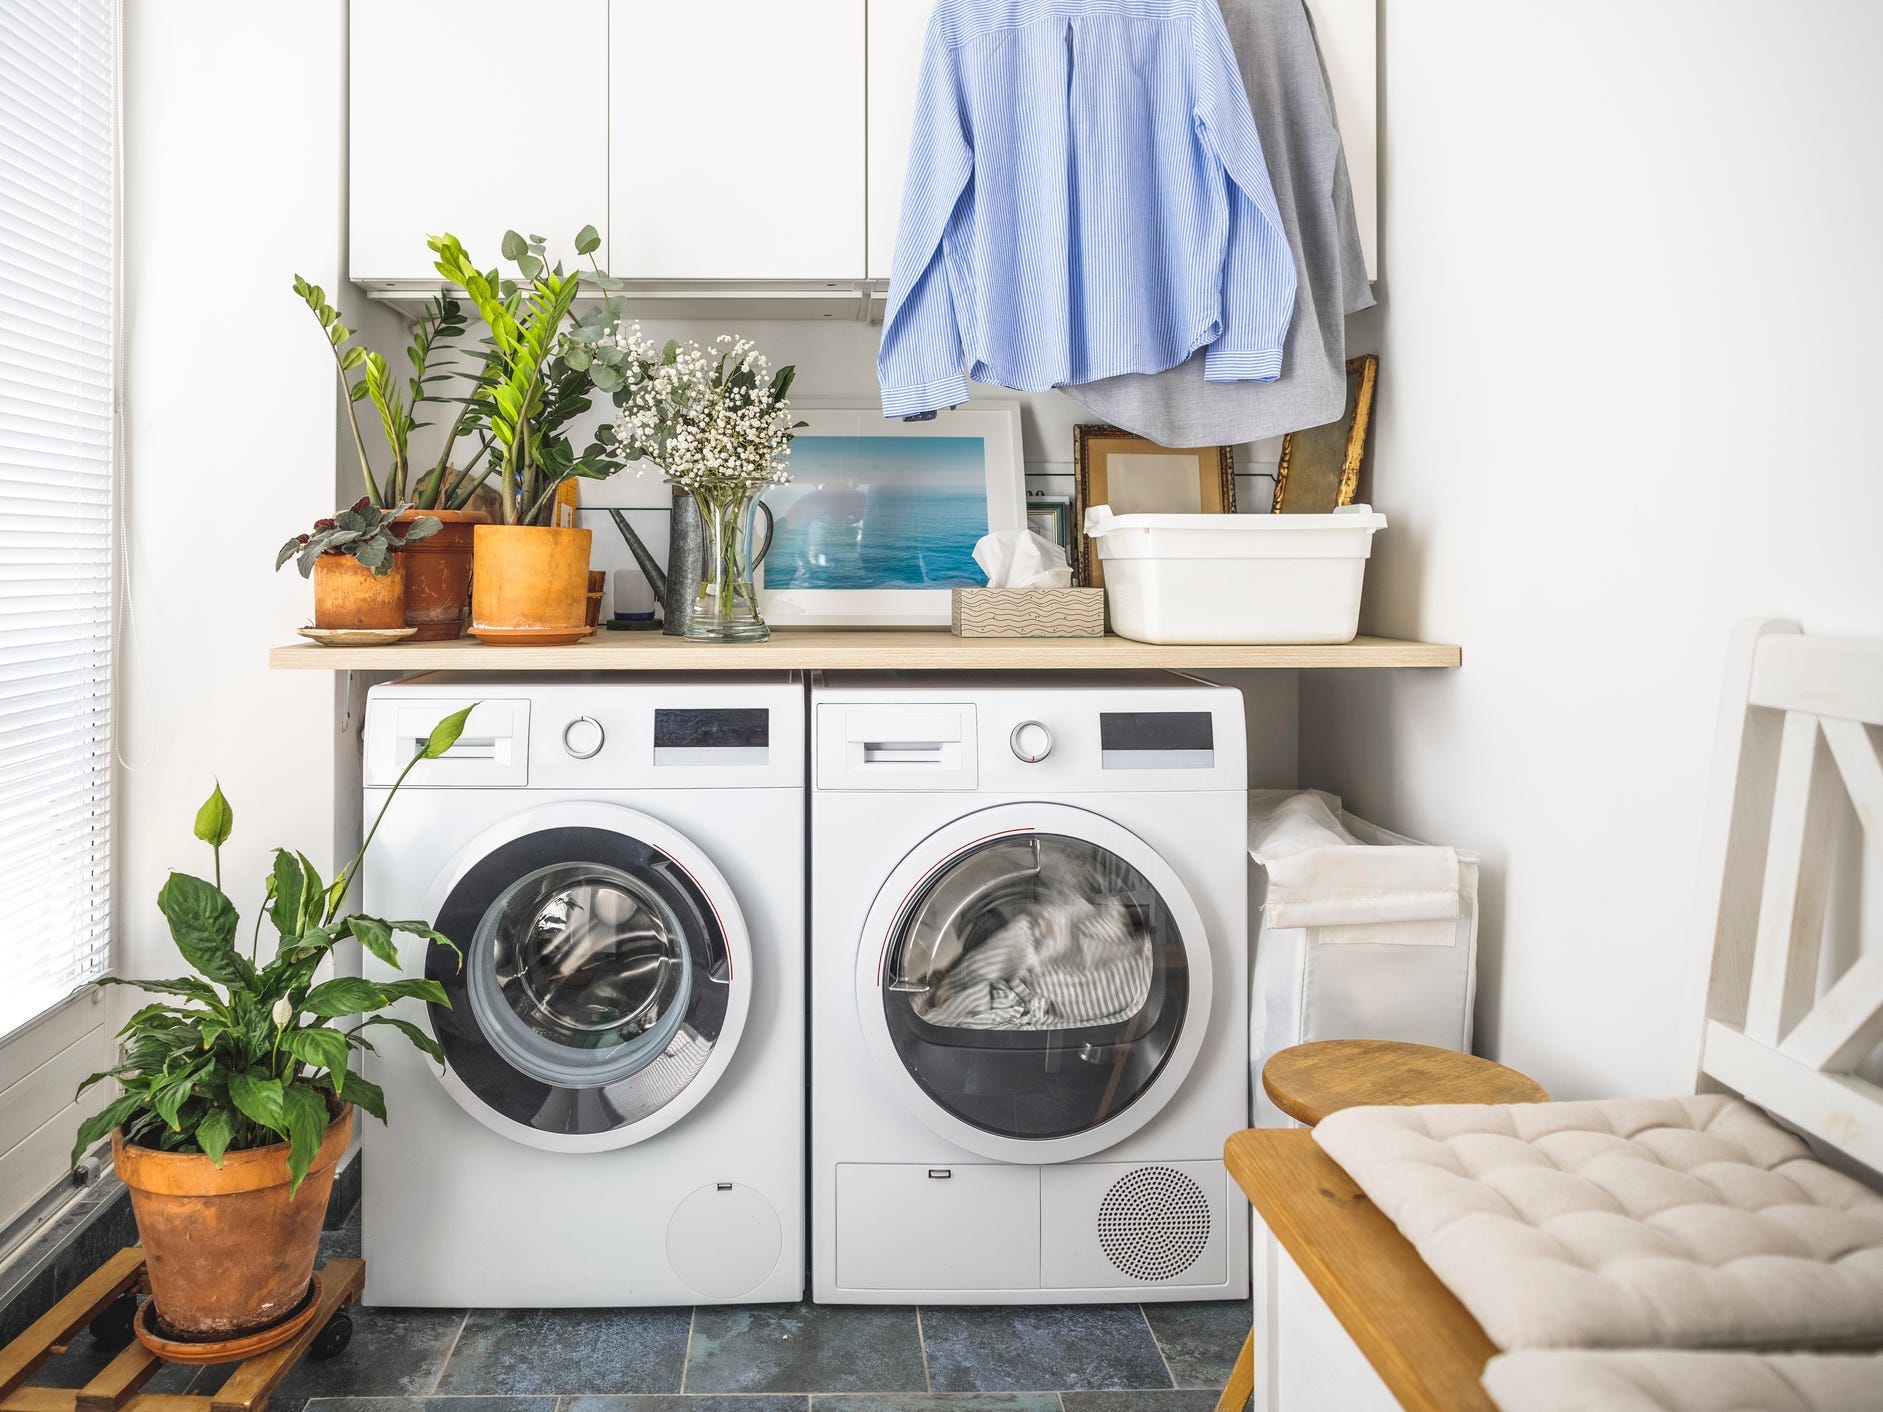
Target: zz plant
pixel 246 1053
pixel 365 375
pixel 535 379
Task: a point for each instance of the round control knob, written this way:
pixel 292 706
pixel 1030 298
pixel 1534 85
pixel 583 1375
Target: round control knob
pixel 1031 742
pixel 583 737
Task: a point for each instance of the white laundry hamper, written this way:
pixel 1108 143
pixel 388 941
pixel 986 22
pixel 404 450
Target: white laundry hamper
pixel 1359 933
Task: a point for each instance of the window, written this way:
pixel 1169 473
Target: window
pixel 57 297
pixel 58 239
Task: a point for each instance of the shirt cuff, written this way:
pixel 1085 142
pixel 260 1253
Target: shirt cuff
pixel 927 396
pixel 1261 365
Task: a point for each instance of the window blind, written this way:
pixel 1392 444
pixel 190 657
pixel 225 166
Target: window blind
pixel 58 202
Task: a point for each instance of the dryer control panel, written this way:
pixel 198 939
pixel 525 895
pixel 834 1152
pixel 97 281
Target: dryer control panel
pixel 1032 739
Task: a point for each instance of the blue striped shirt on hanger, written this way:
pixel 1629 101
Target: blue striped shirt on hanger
pixel 1086 197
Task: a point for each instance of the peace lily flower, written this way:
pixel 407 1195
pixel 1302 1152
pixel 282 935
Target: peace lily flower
pixel 283 1012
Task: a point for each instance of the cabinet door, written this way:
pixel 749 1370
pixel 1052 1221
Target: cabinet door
pixel 1348 31
pixel 897 28
pixel 460 123
pixel 736 140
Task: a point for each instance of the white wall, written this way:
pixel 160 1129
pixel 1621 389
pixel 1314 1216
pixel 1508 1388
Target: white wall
pixel 1629 354
pixel 235 147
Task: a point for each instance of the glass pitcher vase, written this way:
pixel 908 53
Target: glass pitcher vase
pixel 735 533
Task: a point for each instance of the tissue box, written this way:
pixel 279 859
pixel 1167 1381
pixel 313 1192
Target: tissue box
pixel 1028 612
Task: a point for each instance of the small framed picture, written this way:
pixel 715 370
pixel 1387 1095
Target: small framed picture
pixel 1320 467
pixel 880 519
pixel 1138 477
pixel 1050 517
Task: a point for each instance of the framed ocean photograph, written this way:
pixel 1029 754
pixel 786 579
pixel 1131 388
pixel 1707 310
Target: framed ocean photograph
pixel 881 517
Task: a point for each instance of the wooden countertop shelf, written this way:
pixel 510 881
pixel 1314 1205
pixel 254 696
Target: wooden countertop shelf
pixel 853 649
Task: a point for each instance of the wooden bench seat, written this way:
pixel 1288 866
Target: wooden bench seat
pixel 1420 1340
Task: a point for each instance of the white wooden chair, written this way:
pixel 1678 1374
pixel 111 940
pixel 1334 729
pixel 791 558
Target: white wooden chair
pixel 1354 1318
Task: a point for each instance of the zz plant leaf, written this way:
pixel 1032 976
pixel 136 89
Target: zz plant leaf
pixel 243 1054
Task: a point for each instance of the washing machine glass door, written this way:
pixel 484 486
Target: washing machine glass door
pixel 598 982
pixel 1042 982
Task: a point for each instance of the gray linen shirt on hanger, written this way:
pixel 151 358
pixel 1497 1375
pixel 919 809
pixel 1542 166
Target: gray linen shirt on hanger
pixel 1294 113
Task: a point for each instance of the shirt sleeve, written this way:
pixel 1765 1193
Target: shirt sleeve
pixel 1258 289
pixel 920 364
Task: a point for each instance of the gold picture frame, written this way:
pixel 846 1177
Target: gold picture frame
pixel 1320 467
pixel 1136 476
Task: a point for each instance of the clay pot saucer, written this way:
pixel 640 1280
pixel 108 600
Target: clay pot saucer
pixel 227 1350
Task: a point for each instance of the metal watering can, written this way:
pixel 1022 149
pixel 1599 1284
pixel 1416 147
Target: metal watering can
pixel 677 587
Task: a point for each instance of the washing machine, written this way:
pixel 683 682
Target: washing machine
pixel 1029 982
pixel 619 1118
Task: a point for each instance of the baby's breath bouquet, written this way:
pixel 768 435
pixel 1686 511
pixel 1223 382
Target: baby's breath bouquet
pixel 717 423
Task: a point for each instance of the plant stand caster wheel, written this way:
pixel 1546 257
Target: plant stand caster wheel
pixel 113 1326
pixel 331 1341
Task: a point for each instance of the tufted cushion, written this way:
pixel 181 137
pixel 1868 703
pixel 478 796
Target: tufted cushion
pixel 1665 1223
pixel 1662 1380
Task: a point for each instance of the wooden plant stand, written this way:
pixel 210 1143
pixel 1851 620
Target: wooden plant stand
pixel 115 1388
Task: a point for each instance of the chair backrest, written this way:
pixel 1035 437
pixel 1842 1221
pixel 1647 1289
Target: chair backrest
pixel 1796 725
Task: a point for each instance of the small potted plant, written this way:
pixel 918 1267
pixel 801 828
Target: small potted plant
pixel 238 1096
pixel 530 580
pixel 437 575
pixel 354 560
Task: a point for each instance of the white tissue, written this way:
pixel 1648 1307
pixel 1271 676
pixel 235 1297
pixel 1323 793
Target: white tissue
pixel 1022 559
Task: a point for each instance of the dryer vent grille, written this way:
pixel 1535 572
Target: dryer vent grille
pixel 1154 1223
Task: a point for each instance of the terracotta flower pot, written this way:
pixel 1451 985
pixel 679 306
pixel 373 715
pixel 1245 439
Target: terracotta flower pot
pixel 229 1251
pixel 349 595
pixel 438 572
pixel 529 584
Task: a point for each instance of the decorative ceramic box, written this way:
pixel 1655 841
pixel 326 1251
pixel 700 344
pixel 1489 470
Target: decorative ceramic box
pixel 1028 612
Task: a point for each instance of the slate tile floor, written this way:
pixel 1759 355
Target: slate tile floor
pixel 753 1358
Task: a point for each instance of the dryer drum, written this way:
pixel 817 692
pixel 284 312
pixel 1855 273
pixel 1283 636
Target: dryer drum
pixel 1035 985
pixel 593 984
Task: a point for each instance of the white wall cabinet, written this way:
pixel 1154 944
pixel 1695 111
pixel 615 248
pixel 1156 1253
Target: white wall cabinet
pixel 745 148
pixel 445 135
pixel 736 140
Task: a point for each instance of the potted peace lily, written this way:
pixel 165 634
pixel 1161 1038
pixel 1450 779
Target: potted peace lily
pixel 530 578
pixel 238 1096
pixel 434 577
pixel 718 425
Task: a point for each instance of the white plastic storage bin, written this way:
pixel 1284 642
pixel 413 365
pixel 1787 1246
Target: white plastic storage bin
pixel 1235 578
pixel 1359 933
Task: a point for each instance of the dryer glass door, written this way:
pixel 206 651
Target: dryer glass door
pixel 1035 985
pixel 594 980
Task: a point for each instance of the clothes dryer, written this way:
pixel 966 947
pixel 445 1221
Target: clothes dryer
pixel 1029 988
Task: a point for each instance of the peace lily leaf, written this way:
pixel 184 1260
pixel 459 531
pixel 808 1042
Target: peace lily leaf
pixel 321 1047
pixel 203 922
pixel 214 1133
pixel 306 1115
pixel 411 1032
pixel 258 1095
pixel 376 937
pixel 344 995
pixel 368 1096
pixel 104 1121
pixel 287 888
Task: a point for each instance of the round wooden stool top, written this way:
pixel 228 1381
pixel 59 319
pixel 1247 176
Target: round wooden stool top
pixel 1309 1081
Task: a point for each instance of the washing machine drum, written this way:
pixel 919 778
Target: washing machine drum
pixel 594 984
